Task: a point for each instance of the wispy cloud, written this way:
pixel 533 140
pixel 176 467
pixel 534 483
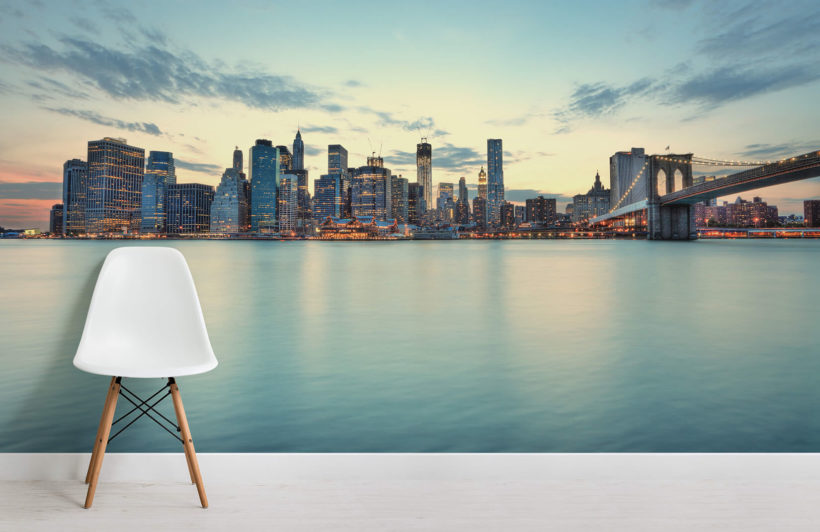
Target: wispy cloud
pixel 773 151
pixel 204 168
pixel 92 116
pixel 43 190
pixel 153 71
pixel 319 129
pixel 424 124
pixel 754 49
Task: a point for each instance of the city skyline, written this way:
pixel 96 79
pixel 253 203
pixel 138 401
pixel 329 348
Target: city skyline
pixel 710 92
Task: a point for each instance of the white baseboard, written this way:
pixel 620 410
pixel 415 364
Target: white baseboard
pixel 294 467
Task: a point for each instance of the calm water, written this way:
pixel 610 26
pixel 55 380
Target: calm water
pixel 445 346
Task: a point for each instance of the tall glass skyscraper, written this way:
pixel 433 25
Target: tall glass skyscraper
pixel 336 159
pixel 495 180
pixel 189 208
pixel 115 173
pixel 298 152
pixel 229 208
pixel 159 173
pixel 265 176
pixel 424 171
pixel 75 176
pixel 371 193
pixel 327 197
pixel 288 201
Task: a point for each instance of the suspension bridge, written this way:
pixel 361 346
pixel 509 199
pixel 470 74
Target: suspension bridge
pixel 663 190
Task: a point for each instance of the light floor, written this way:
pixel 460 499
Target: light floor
pixel 361 505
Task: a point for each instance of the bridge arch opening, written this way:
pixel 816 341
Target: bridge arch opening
pixel 661 180
pixel 678 182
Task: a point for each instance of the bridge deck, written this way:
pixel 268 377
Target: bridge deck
pixel 800 167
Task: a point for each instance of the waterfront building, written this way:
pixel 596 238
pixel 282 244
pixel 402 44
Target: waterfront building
pixel 189 208
pixel 594 203
pixel 424 171
pixel 114 186
pixel 265 176
pixel 541 210
pixel 624 168
pixel 298 152
pixel 480 212
pixel 371 193
pixel 285 159
pixel 507 215
pixel 755 213
pixel 520 214
pixel 811 213
pixel 75 185
pixel 495 180
pixel 399 190
pixel 159 173
pixel 229 207
pixel 55 219
pixel 357 228
pixel 288 202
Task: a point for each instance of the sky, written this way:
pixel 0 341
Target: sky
pixel 564 84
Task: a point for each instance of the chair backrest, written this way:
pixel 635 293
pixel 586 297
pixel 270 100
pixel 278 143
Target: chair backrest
pixel 145 315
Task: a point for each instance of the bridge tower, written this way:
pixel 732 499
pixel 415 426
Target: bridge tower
pixel 667 174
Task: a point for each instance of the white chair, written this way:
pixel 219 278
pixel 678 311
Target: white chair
pixel 144 321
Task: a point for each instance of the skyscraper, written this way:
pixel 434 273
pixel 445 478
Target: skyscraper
pixel 371 193
pixel 288 202
pixel 415 203
pixel 55 219
pixel 399 190
pixel 265 176
pixel 424 170
pixel 115 173
pixel 480 212
pixel 495 181
pixel 285 159
pixel 229 208
pixel 189 208
pixel 482 183
pixel 445 193
pixel 237 160
pixel 327 197
pixel 337 165
pixel 463 206
pixel 298 152
pixel 75 177
pixel 159 173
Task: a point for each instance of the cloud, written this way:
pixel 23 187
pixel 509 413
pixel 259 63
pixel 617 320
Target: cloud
pixel 750 50
pixel 774 151
pixel 154 72
pixel 353 83
pixel 204 168
pixel 424 123
pixel 92 116
pixel 319 129
pixel 312 150
pixel 520 195
pixel 40 190
pixel 722 85
pixel 51 86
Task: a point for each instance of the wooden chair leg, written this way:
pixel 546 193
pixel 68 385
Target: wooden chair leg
pixel 188 443
pixel 102 441
pixel 99 431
